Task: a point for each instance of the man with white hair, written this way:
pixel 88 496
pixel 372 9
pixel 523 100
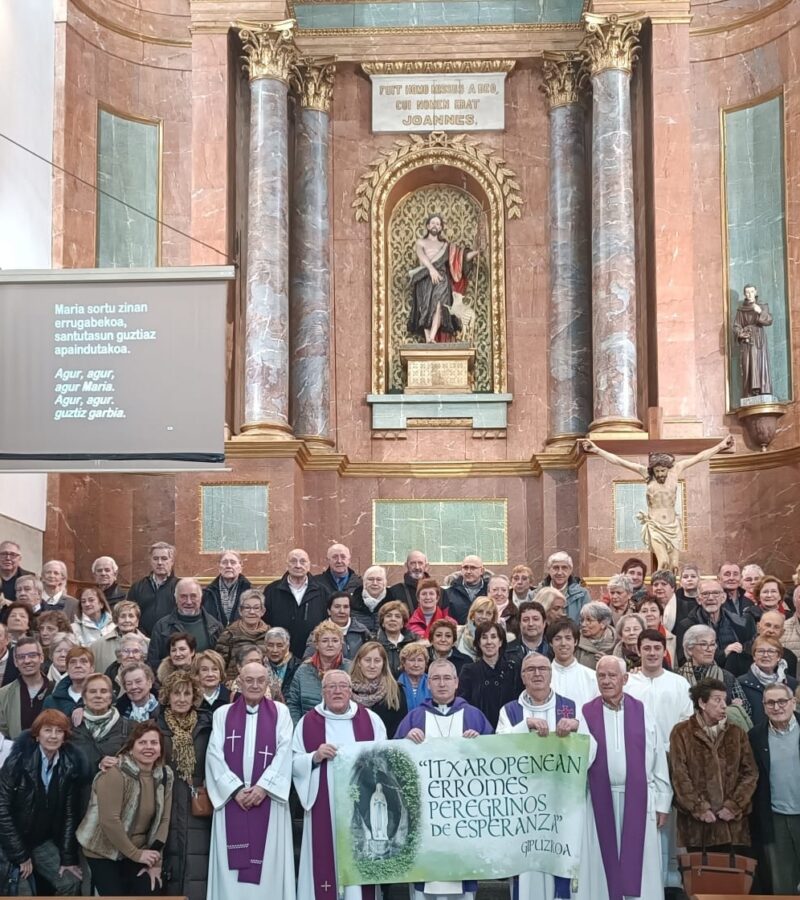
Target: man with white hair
pixel 559 575
pixel 629 785
pixel 188 616
pixel 104 572
pixel 333 723
pixel 406 590
pixel 338 576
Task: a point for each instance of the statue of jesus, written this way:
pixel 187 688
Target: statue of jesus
pixel 441 274
pixel 661 526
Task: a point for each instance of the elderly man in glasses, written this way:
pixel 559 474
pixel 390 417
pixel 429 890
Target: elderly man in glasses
pixel 776 804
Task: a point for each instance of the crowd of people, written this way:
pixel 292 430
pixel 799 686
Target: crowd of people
pixel 157 739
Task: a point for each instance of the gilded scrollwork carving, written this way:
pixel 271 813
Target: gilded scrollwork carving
pixel 313 81
pixel 564 78
pixel 503 198
pixel 269 49
pixel 611 42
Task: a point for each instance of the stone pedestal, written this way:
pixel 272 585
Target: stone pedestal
pixel 610 46
pixel 269 56
pixel 438 368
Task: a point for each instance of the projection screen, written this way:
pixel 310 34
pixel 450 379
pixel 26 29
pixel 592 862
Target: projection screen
pixel 113 368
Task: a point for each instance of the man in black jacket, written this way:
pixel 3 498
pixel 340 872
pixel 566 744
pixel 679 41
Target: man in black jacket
pixel 473 582
pixel 104 572
pixel 10 570
pixel 155 593
pixel 39 787
pixel 731 635
pixel 295 602
pixel 775 820
pixel 338 576
pixel 221 597
pixel 406 590
pixel 187 616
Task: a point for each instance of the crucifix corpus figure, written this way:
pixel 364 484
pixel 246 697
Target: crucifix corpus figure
pixel 440 278
pixel 661 525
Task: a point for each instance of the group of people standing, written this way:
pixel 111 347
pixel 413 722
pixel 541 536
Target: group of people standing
pixel 155 743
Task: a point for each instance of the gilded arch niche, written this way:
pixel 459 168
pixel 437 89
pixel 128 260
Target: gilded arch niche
pixel 433 163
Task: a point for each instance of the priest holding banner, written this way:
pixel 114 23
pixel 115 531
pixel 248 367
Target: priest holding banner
pixel 444 715
pixel 334 722
pixel 248 776
pixel 629 786
pixel 540 711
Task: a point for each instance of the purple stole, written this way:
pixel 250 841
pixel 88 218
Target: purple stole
pixel 324 860
pixel 246 830
pixel 623 867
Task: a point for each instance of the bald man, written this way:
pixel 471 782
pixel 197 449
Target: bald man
pixel 295 602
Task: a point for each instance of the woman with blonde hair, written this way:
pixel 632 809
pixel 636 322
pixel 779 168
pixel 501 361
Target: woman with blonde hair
pixel 375 687
pixel 305 691
pixel 482 611
pixel 125 615
pixel 628 629
pixel 209 670
pixel 413 680
pixel 554 603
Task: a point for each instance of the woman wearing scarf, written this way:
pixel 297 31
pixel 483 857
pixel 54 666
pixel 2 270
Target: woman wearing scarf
pixel 279 659
pixel 61 644
pixel 768 668
pixel 125 828
pixel 412 679
pixel 768 595
pixel 597 634
pixel 101 734
pixel 374 686
pixel 628 629
pixel 392 632
pixel 94 622
pixel 187 730
pixel 249 628
pixel 137 701
pixel 714 774
pixel 700 645
pixel 482 612
pixel 306 689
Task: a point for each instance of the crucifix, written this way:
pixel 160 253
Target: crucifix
pixel 326 886
pixel 233 737
pixel 266 754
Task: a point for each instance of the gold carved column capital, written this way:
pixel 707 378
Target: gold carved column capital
pixel 269 49
pixel 313 82
pixel 611 42
pixel 564 77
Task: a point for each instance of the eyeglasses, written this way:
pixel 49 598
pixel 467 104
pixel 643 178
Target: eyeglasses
pixel 706 594
pixel 251 608
pixel 766 652
pixel 9 554
pixel 706 645
pixel 23 657
pixel 130 651
pixel 777 704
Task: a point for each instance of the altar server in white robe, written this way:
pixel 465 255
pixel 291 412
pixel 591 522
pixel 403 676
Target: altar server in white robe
pixel 629 785
pixel 331 724
pixel 666 699
pixel 540 711
pixel 248 776
pixel 569 677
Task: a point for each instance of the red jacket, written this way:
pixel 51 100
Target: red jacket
pixel 418 626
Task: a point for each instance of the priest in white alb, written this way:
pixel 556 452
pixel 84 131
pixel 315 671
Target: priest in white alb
pixel 333 723
pixel 629 792
pixel 666 699
pixel 569 677
pixel 443 716
pixel 540 711
pixel 248 776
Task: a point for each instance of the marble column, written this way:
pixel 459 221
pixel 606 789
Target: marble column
pixel 570 360
pixel 610 48
pixel 309 321
pixel 269 54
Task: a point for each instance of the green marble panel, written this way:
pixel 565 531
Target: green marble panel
pixel 234 517
pixel 755 231
pixel 128 171
pixel 446 530
pixel 630 497
pixel 432 13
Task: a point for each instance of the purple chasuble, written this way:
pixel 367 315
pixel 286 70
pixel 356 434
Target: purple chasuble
pixel 324 860
pixel 246 830
pixel 623 868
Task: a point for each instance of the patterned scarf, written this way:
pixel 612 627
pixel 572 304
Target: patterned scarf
pixel 143 713
pixel 183 755
pixel 693 674
pixel 369 693
pixel 767 678
pixel 99 726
